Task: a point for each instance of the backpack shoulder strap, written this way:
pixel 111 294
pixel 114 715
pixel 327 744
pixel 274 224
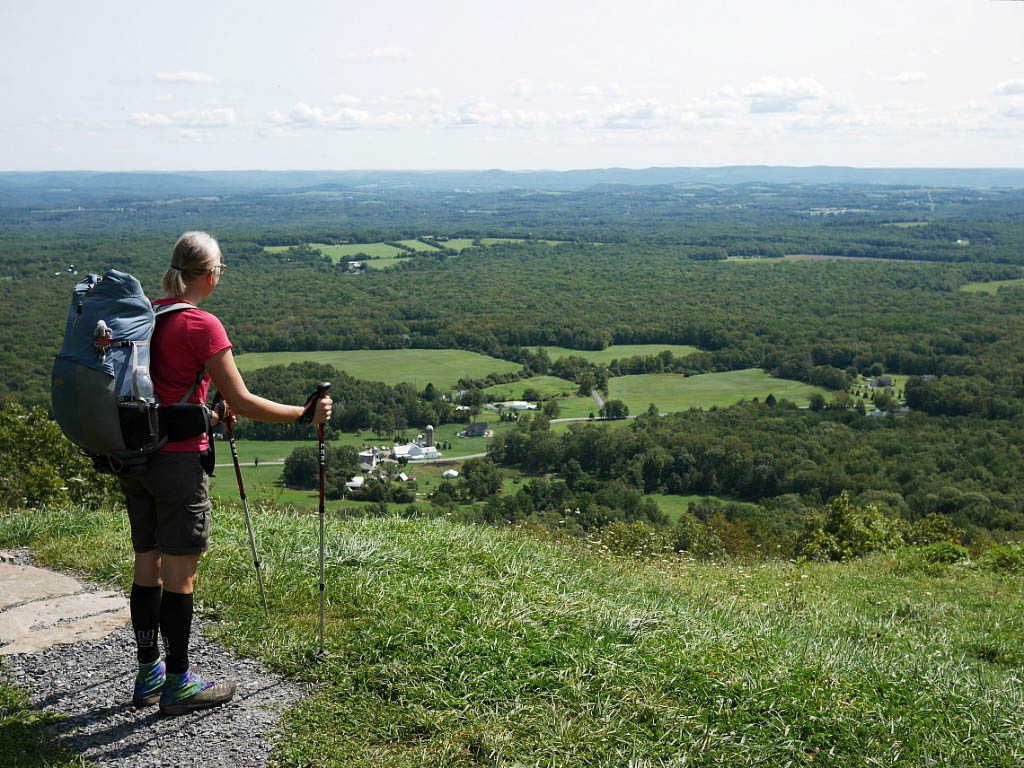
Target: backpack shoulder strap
pixel 166 309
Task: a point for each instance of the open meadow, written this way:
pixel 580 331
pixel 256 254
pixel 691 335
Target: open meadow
pixel 619 351
pixel 441 367
pixel 674 392
pixel 454 644
pixel 992 286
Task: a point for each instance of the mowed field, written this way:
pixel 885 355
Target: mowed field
pixel 417 245
pixel 441 367
pixel 619 351
pixel 338 252
pixel 547 386
pixel 992 286
pixel 673 392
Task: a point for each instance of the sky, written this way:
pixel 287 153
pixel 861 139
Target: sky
pixel 558 84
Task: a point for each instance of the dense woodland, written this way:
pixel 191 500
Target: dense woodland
pixel 635 265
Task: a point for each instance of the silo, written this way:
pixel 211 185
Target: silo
pixel 430 436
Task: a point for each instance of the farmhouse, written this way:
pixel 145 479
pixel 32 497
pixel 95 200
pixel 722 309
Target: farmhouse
pixel 419 450
pixel 449 474
pixel 355 483
pixel 883 381
pixel 476 429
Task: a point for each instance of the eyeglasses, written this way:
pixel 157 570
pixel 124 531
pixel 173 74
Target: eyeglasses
pixel 220 269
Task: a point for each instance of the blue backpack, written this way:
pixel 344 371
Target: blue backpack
pixel 100 386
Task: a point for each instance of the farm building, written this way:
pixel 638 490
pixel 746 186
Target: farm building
pixel 355 483
pixel 449 474
pixel 476 429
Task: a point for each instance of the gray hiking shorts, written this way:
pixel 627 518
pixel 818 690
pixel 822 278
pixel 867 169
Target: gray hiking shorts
pixel 169 505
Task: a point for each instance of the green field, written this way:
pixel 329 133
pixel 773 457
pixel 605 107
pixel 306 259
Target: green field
pixel 674 506
pixel 673 392
pixel 387 263
pixel 619 351
pixel 440 367
pixel 418 245
pixel 458 244
pixel 338 252
pixel 547 386
pixel 576 407
pixel 992 286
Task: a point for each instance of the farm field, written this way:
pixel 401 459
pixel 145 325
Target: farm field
pixel 387 263
pixel 338 252
pixel 619 351
pixel 547 386
pixel 441 367
pixel 993 286
pixel 674 506
pixel 673 392
pixel 418 245
pixel 577 407
pixel 458 244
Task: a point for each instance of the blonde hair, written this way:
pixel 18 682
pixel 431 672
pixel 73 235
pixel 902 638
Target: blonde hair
pixel 195 253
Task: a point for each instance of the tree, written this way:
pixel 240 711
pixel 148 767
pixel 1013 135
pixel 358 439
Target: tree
pixel 552 409
pixel 817 401
pixel 479 479
pixel 615 409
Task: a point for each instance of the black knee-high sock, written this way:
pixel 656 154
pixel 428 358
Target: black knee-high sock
pixel 145 607
pixel 175 626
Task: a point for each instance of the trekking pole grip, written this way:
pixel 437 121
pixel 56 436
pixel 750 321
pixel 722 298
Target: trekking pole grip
pixel 310 407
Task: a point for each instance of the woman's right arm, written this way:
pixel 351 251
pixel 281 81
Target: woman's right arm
pixel 229 383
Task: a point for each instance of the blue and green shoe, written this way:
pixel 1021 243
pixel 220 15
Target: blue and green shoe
pixel 149 684
pixel 188 692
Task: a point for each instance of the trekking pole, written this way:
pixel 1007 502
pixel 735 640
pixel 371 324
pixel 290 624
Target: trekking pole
pixel 245 508
pixel 306 418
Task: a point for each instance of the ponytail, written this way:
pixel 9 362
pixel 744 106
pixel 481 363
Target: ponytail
pixel 195 254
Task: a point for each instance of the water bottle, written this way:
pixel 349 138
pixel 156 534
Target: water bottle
pixel 142 385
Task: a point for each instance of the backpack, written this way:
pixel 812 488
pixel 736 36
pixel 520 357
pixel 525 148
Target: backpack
pixel 101 390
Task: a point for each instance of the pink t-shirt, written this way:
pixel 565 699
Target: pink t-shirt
pixel 182 343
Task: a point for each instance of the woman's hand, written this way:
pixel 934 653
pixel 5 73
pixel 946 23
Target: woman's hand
pixel 222 413
pixel 323 410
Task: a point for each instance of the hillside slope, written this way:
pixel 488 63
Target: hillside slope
pixel 456 644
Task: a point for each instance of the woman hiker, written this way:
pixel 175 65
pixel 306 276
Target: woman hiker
pixel 168 504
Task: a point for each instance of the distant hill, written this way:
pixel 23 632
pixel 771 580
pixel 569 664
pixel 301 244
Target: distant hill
pixel 56 187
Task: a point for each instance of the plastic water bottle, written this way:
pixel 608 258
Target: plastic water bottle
pixel 142 385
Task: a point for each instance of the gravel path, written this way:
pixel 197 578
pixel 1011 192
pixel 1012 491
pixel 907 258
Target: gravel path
pixel 91 684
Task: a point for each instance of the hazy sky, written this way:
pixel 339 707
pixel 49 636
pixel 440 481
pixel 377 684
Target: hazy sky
pixel 525 84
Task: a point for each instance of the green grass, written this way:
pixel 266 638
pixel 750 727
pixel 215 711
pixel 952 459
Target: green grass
pixel 339 252
pixel 993 286
pixel 618 351
pixel 463 645
pixel 547 386
pixel 25 738
pixel 386 263
pixel 577 407
pixel 458 244
pixel 674 392
pixel 674 506
pixel 441 367
pixel 418 245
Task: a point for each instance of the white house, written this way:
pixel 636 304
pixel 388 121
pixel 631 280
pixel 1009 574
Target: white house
pixel 449 474
pixel 355 483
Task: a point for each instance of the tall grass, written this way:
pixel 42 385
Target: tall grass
pixel 465 645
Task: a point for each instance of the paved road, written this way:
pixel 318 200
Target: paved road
pixel 597 396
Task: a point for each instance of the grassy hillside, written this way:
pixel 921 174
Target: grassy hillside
pixel 441 367
pixel 466 645
pixel 673 392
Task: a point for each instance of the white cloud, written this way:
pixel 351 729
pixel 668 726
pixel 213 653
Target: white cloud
pixel 302 115
pixel 591 91
pixel 185 118
pixel 635 114
pixel 522 87
pixel 908 78
pixel 781 94
pixel 422 94
pixel 554 86
pixel 165 97
pixel 614 89
pixel 378 54
pixel 192 78
pixel 1014 111
pixel 1011 88
pixel 344 98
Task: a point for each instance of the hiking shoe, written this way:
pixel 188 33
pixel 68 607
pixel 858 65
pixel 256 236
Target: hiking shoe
pixel 148 684
pixel 189 692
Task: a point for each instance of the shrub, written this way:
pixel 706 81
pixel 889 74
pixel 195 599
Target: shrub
pixel 843 530
pixel 945 553
pixel 39 466
pixel 1003 558
pixel 637 539
pixel 935 528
